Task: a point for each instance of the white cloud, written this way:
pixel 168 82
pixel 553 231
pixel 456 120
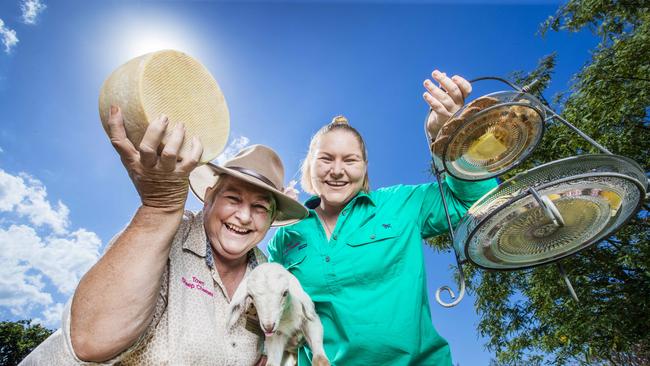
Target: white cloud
pixel 65 259
pixel 52 315
pixel 20 291
pixel 232 149
pixel 36 267
pixel 27 197
pixel 31 9
pixel 8 36
pixel 28 260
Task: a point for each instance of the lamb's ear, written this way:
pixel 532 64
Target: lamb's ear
pixel 305 301
pixel 240 302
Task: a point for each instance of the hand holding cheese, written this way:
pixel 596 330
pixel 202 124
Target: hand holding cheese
pixel 161 179
pixel 159 152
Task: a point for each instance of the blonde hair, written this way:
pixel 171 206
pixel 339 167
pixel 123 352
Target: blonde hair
pixel 339 123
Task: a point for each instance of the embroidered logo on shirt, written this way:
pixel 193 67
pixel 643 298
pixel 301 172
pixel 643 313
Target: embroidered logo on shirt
pixel 386 226
pixel 291 246
pixel 197 284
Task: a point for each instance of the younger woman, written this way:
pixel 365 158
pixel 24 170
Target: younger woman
pixel 359 252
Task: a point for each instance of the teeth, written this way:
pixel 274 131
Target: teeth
pixel 337 184
pixel 237 229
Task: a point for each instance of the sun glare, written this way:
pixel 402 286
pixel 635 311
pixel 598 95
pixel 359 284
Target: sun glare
pixel 150 36
pixel 134 35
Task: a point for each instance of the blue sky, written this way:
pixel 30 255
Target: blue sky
pixel 286 68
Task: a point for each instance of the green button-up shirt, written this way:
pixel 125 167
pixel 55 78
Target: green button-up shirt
pixel 368 281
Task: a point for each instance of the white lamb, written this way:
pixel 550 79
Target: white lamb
pixel 285 311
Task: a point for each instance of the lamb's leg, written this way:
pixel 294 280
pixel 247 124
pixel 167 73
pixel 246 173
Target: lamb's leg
pixel 313 330
pixel 274 346
pixel 289 359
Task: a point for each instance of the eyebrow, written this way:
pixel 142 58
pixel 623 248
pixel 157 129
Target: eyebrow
pixel 322 153
pixel 258 196
pixel 344 156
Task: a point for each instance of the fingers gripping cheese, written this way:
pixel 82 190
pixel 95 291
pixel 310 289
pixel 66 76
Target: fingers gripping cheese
pixel 171 83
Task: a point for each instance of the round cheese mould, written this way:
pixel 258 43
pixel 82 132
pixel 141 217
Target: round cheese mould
pixel 508 229
pixel 490 135
pixel 172 83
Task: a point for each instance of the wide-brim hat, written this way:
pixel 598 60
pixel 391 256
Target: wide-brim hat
pixel 260 166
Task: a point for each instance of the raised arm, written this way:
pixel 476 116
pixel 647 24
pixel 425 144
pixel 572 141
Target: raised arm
pixel 114 302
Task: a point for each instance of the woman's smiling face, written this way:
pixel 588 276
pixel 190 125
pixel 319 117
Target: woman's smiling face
pixel 338 169
pixel 236 217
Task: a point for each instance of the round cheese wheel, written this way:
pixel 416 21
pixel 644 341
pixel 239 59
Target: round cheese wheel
pixel 172 83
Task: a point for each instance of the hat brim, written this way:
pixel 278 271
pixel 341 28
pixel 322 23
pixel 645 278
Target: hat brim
pixel 289 211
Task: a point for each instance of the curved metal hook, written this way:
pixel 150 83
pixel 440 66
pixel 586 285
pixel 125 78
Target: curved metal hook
pixel 461 294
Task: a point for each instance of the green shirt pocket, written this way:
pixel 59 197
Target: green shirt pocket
pixel 294 251
pixel 375 250
pixel 373 234
pixel 293 260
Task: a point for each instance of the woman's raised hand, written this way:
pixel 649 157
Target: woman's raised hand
pixel 159 173
pixel 444 99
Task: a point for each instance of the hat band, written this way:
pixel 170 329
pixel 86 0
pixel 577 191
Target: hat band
pixel 253 174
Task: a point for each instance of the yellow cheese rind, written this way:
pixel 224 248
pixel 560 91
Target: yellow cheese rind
pixel 171 83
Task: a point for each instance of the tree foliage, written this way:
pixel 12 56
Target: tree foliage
pixel 528 316
pixel 18 339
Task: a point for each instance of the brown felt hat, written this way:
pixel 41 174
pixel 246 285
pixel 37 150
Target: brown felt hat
pixel 258 165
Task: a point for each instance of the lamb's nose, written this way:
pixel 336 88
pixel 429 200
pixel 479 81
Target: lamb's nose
pixel 268 327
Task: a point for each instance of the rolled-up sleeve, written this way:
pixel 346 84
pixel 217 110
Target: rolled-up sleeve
pixel 56 350
pixel 459 195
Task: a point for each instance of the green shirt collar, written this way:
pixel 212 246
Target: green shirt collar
pixel 314 201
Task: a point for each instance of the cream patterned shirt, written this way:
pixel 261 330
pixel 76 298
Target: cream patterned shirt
pixel 189 323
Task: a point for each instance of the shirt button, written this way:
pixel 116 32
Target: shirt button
pixel 327 259
pixel 334 237
pixel 372 236
pixel 344 213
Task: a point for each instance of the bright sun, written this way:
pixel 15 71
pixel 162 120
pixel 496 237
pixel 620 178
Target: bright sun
pixel 139 35
pixel 153 38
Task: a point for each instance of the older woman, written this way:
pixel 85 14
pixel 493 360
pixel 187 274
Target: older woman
pixel 159 294
pixel 359 253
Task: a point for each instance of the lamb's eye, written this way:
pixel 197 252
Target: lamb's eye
pixel 285 293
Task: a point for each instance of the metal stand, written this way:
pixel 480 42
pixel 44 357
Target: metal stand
pixel 544 201
pixel 549 207
pixel 567 282
pixel 577 130
pixel 461 294
pixel 554 214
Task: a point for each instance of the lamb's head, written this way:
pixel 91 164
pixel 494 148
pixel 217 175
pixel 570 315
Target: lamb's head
pixel 271 288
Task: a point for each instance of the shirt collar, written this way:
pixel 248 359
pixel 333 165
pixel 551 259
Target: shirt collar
pixel 314 201
pixel 195 237
pixel 252 257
